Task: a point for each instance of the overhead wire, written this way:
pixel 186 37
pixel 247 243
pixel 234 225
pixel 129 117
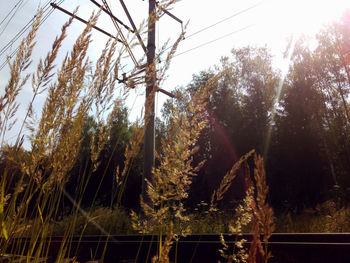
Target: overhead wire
pixel 215 24
pixel 221 21
pixel 225 19
pixel 47 13
pixel 2 21
pixel 214 40
pixel 12 16
pixel 25 28
pixel 120 33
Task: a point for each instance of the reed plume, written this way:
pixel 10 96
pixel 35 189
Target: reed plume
pixel 254 210
pixel 172 178
pixel 8 104
pixel 262 211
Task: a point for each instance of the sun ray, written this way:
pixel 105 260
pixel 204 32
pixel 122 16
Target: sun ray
pixel 284 71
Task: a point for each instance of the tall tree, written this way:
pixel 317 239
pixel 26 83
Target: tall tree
pixel 238 112
pixel 297 164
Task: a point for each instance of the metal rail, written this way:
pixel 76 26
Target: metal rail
pixel 285 247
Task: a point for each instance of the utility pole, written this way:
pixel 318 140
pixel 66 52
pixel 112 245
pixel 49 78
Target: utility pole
pixel 151 77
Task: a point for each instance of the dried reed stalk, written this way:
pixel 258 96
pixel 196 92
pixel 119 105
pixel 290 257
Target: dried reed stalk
pixel 226 182
pixel 255 210
pixel 8 104
pixel 262 211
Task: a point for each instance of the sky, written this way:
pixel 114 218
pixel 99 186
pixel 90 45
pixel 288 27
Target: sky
pixel 208 37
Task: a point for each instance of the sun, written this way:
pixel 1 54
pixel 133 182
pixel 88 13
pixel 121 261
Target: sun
pixel 306 17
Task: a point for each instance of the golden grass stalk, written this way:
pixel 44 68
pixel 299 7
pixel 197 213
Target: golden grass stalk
pixel 131 152
pixel 103 87
pixel 8 104
pixel 173 176
pixel 8 109
pixel 41 79
pixel 243 216
pixel 58 136
pixel 55 143
pixel 262 211
pixel 227 180
pixel 163 256
pixel 255 210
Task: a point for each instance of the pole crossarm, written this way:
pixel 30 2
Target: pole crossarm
pixel 114 17
pixel 171 15
pixel 133 26
pixel 166 93
pixel 120 33
pixel 85 22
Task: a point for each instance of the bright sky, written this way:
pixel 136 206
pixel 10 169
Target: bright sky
pixel 252 22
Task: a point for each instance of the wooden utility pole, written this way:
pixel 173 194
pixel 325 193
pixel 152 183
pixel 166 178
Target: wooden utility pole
pixel 151 77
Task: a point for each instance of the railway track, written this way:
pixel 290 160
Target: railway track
pixel 286 248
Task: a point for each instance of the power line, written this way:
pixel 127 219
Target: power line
pixel 110 14
pixel 24 29
pixel 120 33
pixel 4 63
pixel 225 19
pixel 13 15
pixel 214 40
pixel 18 35
pixel 221 21
pixel 13 8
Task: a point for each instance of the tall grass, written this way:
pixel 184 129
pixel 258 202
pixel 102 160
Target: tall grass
pixel 32 182
pixel 254 210
pixel 173 176
pixel 30 203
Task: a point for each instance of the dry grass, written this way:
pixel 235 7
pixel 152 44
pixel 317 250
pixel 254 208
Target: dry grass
pixel 227 181
pixel 254 211
pixel 55 140
pixel 8 104
pixel 76 90
pixel 173 176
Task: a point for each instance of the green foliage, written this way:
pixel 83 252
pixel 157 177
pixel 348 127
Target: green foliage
pixel 302 132
pixel 116 221
pixel 326 217
pixel 238 113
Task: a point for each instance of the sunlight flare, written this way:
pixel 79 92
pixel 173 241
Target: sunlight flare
pixel 299 17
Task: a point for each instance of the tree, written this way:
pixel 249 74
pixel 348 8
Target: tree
pixel 239 115
pixel 333 80
pixel 297 165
